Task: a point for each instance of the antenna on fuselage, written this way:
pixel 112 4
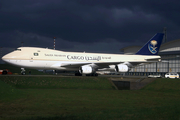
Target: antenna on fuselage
pixel 54 42
pixel 22 44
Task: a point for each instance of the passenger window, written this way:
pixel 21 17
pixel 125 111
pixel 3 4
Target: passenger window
pixel 36 54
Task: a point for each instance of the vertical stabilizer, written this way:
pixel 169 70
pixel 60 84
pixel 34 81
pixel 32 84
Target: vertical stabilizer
pixel 152 46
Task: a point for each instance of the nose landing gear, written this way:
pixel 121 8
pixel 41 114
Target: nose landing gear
pixel 23 71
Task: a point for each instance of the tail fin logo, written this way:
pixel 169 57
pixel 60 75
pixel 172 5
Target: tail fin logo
pixel 152 46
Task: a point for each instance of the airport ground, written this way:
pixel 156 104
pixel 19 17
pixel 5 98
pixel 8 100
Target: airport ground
pixel 78 98
pixel 42 96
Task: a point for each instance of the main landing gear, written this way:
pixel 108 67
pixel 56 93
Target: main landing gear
pixel 78 74
pixel 92 74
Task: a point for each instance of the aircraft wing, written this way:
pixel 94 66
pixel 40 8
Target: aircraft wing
pixel 73 65
pixel 101 64
pixel 105 65
pixel 98 64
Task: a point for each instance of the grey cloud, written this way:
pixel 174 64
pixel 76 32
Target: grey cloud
pixel 78 23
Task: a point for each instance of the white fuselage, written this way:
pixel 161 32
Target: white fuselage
pixel 41 58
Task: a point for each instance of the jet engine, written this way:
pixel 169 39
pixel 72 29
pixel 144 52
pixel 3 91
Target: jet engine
pixel 121 68
pixel 86 69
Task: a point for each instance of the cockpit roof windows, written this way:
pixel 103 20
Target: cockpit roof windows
pixel 18 49
pixel 36 54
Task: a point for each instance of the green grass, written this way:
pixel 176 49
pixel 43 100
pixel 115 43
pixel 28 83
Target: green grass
pixel 45 82
pixel 79 98
pixel 9 92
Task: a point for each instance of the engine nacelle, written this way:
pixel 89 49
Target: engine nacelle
pixel 86 69
pixel 121 68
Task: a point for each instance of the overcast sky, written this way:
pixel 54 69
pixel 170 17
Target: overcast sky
pixel 103 26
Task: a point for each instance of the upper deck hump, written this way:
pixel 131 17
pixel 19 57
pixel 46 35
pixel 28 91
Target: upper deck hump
pixel 38 49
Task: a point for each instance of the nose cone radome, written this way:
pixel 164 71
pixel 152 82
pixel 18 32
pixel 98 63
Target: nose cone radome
pixel 5 58
pixel 8 57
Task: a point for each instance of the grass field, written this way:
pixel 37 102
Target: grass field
pixel 86 98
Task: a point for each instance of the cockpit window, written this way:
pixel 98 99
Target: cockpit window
pixel 36 54
pixel 18 49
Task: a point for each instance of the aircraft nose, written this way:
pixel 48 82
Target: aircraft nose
pixel 4 58
pixel 7 57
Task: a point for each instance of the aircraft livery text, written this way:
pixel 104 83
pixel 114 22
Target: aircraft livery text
pixel 74 57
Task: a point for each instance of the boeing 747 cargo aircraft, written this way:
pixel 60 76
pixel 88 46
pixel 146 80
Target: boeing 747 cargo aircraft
pixel 83 63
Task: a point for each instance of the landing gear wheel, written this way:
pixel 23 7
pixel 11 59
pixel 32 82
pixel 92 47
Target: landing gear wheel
pixel 96 74
pixel 93 74
pixel 23 73
pixel 78 74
